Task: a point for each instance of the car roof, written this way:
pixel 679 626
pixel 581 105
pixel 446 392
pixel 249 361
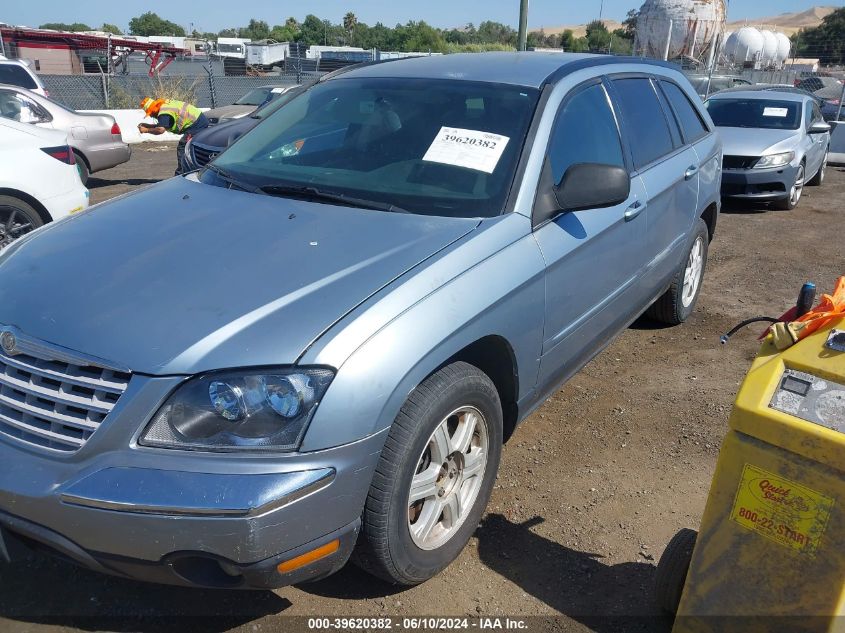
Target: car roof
pixel 762 94
pixel 768 88
pixel 529 69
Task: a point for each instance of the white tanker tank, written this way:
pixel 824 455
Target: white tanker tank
pixel 675 28
pixel 769 53
pixel 747 45
pixel 784 47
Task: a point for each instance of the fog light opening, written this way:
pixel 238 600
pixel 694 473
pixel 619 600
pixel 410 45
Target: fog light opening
pixel 309 557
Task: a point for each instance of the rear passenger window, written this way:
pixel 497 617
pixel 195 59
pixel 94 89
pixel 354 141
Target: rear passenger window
pixel 644 120
pixel 16 76
pixel 585 132
pixel 691 123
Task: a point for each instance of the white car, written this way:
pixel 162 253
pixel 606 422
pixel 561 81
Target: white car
pixel 16 73
pixel 39 181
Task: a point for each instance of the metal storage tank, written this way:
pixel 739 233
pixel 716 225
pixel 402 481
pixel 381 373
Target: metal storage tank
pixel 694 26
pixel 770 47
pixel 748 46
pixel 784 46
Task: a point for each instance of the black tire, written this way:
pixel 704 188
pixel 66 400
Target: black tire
pixel 17 218
pixel 81 167
pixel 818 179
pixel 672 570
pixel 791 200
pixel 386 547
pixel 674 307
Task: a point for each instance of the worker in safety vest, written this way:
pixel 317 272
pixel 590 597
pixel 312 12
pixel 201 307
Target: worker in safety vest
pixel 173 116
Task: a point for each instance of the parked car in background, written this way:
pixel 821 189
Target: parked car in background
pixel 207 144
pixel 774 142
pixel 716 83
pixel 812 84
pixel 14 72
pixel 95 138
pixel 38 179
pixel 247 104
pixel 319 342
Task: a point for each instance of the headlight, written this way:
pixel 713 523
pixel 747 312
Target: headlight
pixel 775 160
pixel 240 410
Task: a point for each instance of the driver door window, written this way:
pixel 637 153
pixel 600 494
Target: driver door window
pixel 18 107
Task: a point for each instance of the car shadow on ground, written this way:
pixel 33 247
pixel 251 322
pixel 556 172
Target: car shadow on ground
pixel 95 183
pixel 606 598
pixel 48 591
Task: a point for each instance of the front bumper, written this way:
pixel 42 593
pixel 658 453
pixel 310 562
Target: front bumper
pixel 184 517
pixel 758 184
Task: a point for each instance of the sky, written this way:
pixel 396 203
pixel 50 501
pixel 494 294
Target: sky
pixel 214 15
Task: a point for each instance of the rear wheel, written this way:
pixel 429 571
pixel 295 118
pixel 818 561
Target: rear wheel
pixel 818 179
pixel 677 303
pixel 791 201
pixel 81 167
pixel 17 218
pixel 434 477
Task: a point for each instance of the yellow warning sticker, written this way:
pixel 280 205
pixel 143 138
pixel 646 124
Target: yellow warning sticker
pixel 788 513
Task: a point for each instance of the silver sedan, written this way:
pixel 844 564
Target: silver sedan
pixel 94 138
pixel 774 143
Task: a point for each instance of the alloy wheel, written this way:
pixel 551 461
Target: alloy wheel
pixel 798 187
pixel 13 224
pixel 448 477
pixel 692 273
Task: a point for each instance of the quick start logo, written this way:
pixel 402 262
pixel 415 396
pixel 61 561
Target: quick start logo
pixel 781 510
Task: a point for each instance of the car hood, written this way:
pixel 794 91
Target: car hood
pixel 224 134
pixel 229 111
pixel 186 277
pixel 744 141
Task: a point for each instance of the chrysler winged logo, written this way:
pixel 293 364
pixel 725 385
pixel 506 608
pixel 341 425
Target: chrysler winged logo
pixel 8 343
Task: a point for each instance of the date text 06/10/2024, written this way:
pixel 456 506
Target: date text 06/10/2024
pixel 417 623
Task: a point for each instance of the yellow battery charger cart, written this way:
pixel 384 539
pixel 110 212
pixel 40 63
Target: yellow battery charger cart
pixel 770 554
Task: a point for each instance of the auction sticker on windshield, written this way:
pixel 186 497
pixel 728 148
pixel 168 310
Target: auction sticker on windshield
pixel 781 510
pixel 467 148
pixel 778 112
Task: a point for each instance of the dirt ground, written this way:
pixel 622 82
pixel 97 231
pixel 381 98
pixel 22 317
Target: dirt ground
pixel 591 487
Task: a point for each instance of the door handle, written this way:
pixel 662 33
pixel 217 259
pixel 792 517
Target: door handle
pixel 634 210
pixel 691 171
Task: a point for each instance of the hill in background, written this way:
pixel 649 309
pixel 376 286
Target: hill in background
pixel 788 23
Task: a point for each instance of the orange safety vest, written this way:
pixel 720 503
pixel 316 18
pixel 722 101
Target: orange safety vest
pixel 183 114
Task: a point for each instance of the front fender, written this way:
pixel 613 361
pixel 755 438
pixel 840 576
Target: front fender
pixel 489 284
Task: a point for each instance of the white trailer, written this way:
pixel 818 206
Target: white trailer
pixel 266 52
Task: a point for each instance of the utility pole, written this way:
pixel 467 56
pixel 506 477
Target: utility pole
pixel 601 9
pixel 523 24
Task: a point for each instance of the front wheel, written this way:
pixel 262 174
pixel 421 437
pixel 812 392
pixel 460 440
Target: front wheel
pixel 794 196
pixel 434 477
pixel 678 302
pixel 818 179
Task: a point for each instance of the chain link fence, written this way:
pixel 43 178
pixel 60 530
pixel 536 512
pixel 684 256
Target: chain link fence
pixel 102 92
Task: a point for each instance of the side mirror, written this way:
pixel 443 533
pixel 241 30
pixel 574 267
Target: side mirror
pixel 591 186
pixel 819 127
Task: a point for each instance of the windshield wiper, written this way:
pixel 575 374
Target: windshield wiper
pixel 316 195
pixel 224 175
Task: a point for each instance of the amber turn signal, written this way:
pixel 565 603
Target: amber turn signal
pixel 309 557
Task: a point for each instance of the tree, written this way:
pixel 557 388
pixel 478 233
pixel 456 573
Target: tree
pixel 349 23
pixel 111 28
pixel 61 26
pixel 629 24
pixel 227 33
pixel 598 37
pixel 150 23
pixel 282 33
pixel 312 31
pixel 567 40
pixel 256 30
pixel 826 41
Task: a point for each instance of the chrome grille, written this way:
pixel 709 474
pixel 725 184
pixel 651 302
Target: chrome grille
pixel 54 401
pixel 202 154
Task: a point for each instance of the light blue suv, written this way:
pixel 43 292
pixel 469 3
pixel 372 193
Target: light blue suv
pixel 315 347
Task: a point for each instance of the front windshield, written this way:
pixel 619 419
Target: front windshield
pixel 434 147
pixel 254 97
pixel 757 113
